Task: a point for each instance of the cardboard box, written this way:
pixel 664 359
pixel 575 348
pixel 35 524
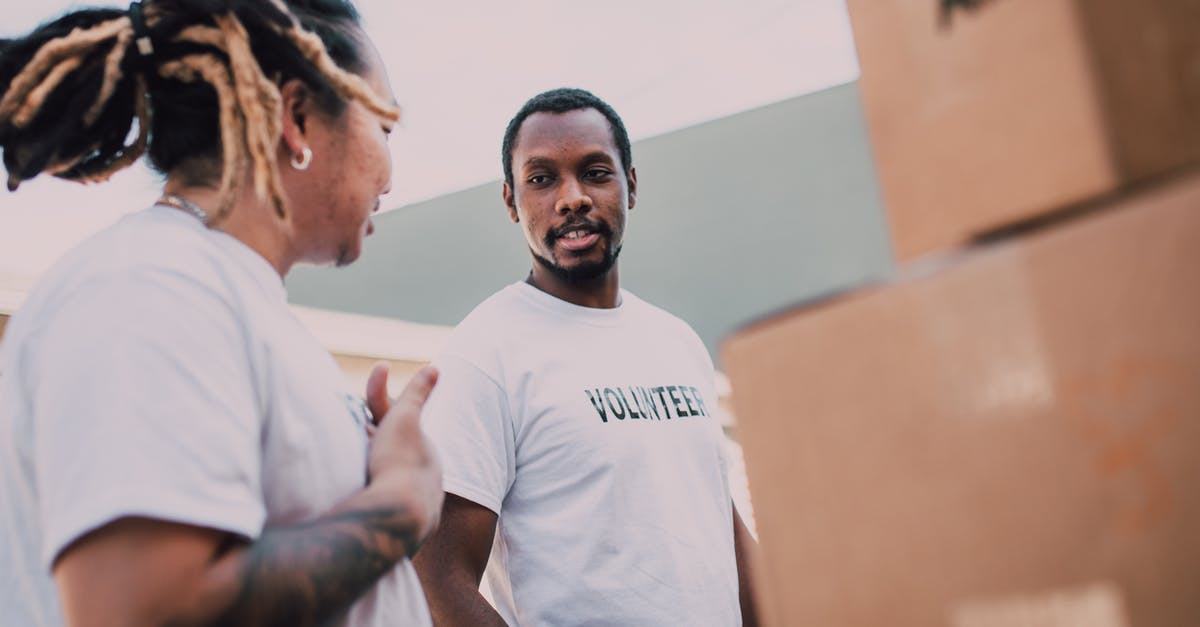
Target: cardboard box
pixel 982 117
pixel 1008 438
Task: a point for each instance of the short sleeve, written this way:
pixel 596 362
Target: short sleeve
pixel 468 421
pixel 144 405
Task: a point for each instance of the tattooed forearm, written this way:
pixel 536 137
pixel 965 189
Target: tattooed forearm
pixel 310 574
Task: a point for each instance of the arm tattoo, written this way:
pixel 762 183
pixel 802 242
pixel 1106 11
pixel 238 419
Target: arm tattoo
pixel 311 573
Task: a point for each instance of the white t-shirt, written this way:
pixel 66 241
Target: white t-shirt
pixel 593 434
pixel 157 371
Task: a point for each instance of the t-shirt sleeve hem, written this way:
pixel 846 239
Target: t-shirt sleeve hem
pixel 243 519
pixel 471 493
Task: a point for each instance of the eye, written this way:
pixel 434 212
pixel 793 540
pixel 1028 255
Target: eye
pixel 538 179
pixel 387 130
pixel 598 174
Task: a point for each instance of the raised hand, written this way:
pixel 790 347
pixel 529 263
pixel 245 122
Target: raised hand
pixel 401 459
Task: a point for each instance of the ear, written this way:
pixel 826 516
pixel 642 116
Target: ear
pixel 297 109
pixel 632 176
pixel 510 201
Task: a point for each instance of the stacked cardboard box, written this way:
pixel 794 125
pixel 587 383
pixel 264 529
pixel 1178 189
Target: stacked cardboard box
pixel 1005 434
pixel 993 115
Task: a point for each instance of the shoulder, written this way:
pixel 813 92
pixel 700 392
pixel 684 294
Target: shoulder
pixel 147 266
pixel 663 322
pixel 491 322
pixel 649 313
pixel 147 242
pixel 493 309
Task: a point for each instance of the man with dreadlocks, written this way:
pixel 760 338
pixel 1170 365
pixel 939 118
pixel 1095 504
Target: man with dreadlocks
pixel 176 448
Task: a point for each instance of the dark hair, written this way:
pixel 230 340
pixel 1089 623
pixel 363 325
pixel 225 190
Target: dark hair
pixel 73 88
pixel 562 100
pixel 185 122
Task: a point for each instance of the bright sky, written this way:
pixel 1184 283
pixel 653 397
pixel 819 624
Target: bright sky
pixel 461 69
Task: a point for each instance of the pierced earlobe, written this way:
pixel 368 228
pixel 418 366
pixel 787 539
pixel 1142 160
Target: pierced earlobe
pixel 302 160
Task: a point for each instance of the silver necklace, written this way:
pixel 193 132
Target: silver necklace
pixel 179 202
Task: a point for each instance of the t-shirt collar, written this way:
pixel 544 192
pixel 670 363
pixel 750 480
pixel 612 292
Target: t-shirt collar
pixel 604 317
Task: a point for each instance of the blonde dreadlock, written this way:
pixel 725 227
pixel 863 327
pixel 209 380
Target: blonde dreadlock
pixel 350 86
pixel 126 157
pixel 112 73
pixel 66 49
pixel 212 71
pixel 212 49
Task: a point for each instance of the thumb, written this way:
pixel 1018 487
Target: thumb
pixel 407 408
pixel 377 393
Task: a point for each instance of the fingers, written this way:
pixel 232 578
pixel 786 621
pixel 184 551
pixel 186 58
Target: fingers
pixel 407 407
pixel 377 393
pixel 399 449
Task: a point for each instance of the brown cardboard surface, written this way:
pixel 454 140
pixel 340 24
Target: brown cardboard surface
pixel 1021 107
pixel 1014 434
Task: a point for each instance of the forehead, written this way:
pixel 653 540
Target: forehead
pixel 375 72
pixel 545 133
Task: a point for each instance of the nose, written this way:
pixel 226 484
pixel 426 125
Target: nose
pixel 572 198
pixel 387 183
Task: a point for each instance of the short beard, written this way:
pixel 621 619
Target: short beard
pixel 582 273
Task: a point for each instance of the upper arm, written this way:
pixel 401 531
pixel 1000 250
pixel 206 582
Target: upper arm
pixel 144 407
pixel 140 571
pixel 742 538
pixel 457 551
pixel 467 419
pixel 745 550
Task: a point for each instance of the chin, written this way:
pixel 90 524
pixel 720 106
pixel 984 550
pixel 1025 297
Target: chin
pixel 347 254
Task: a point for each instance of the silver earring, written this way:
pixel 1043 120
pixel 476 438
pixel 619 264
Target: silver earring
pixel 302 160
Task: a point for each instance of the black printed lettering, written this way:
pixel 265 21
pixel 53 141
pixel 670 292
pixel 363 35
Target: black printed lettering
pixel 658 391
pixel 662 402
pixel 687 398
pixel 598 403
pixel 633 413
pixel 641 403
pixel 614 404
pixel 700 402
pixel 672 391
pixel 644 395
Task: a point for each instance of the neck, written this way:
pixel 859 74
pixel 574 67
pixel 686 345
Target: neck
pixel 603 292
pixel 249 221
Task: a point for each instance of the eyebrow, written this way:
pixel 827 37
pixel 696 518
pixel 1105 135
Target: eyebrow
pixel 595 155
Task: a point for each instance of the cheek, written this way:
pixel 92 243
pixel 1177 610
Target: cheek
pixel 382 156
pixel 529 227
pixel 367 158
pixel 532 228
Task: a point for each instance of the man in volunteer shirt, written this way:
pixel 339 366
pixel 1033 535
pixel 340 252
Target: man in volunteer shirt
pixel 576 419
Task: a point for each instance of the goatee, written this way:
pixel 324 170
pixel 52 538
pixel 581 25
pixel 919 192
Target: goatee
pixel 585 272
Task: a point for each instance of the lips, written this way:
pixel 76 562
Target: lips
pixel 578 239
pixel 577 235
pixel 370 223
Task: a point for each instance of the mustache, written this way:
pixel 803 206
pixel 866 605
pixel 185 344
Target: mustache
pixel 596 226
